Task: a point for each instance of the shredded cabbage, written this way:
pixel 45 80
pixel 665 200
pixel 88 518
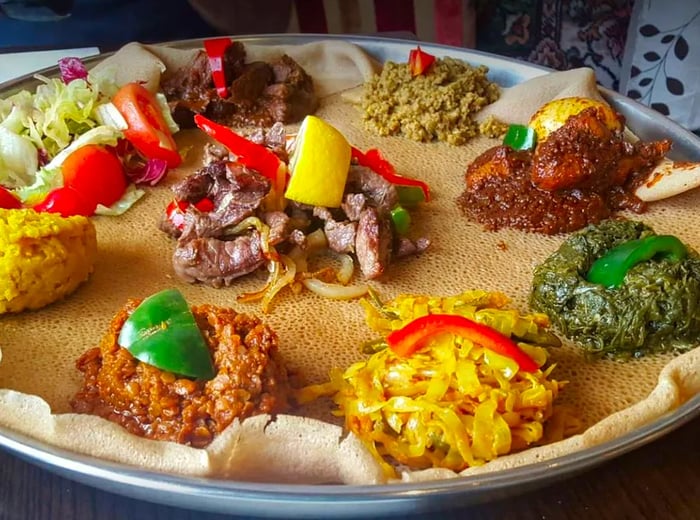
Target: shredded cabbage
pixel 453 404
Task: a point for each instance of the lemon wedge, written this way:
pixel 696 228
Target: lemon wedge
pixel 319 164
pixel 554 114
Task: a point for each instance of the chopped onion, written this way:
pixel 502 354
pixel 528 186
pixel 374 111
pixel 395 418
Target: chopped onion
pixel 287 278
pixel 334 291
pixel 150 173
pixel 316 241
pixel 274 267
pixel 347 269
pixel 263 229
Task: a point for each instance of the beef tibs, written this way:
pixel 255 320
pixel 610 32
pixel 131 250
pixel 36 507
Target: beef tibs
pixel 259 93
pixel 243 230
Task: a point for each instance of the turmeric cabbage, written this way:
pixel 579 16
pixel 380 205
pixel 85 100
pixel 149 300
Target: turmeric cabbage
pixel 453 404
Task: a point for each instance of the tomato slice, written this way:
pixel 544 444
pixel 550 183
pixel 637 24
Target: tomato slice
pixel 96 174
pixel 67 202
pixel 148 131
pixel 8 200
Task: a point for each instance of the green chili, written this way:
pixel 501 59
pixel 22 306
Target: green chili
pixel 401 219
pixel 610 269
pixel 163 332
pixel 410 196
pixel 520 137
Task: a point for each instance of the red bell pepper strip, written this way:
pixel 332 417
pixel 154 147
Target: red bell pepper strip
pixel 419 61
pixel 175 211
pixel 8 200
pixel 374 160
pixel 248 153
pixel 215 48
pixel 410 338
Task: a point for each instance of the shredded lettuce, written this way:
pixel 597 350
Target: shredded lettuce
pixel 56 113
pixel 165 109
pixel 19 159
pixel 107 114
pixel 131 195
pixel 105 135
pixel 50 176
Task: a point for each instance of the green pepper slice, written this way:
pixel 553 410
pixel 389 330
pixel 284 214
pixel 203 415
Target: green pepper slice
pixel 520 137
pixel 401 220
pixel 163 332
pixel 610 269
pixel 410 196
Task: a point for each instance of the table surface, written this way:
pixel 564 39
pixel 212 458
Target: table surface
pixel 658 481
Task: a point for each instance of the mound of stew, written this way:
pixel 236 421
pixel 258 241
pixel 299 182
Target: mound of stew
pixel 250 378
pixel 580 174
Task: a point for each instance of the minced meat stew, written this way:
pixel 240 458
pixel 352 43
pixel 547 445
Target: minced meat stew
pixel 250 379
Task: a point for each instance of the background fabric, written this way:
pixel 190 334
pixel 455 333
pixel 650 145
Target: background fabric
pixel 662 59
pixel 561 34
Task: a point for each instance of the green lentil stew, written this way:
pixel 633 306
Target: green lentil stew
pixel 656 307
pixel 439 104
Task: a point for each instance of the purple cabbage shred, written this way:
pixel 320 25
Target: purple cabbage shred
pixel 72 68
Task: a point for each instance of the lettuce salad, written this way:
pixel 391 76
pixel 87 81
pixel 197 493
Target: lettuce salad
pixel 39 130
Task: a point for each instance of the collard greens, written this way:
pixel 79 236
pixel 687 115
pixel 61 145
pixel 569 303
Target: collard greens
pixel 657 307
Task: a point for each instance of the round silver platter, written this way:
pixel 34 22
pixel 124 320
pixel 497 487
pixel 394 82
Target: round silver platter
pixel 340 501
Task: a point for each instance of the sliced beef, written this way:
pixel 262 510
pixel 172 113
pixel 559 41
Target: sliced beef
pixel 340 235
pixel 189 86
pixel 215 152
pixel 235 191
pixel 380 192
pixel 218 262
pixel 373 243
pixel 297 237
pixel 196 186
pixel 407 247
pixel 249 86
pixel 353 204
pixel 274 138
pixel 259 93
pixel 234 59
pixel 167 227
pixel 292 95
pixel 278 222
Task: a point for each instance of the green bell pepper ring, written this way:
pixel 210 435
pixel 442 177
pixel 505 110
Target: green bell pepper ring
pixel 163 332
pixel 610 269
pixel 520 137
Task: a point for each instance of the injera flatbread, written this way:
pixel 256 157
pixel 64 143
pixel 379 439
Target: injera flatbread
pixel 39 348
pixel 334 65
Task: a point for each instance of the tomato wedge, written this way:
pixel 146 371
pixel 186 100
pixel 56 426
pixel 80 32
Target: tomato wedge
pixel 148 131
pixel 96 174
pixel 8 200
pixel 67 202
